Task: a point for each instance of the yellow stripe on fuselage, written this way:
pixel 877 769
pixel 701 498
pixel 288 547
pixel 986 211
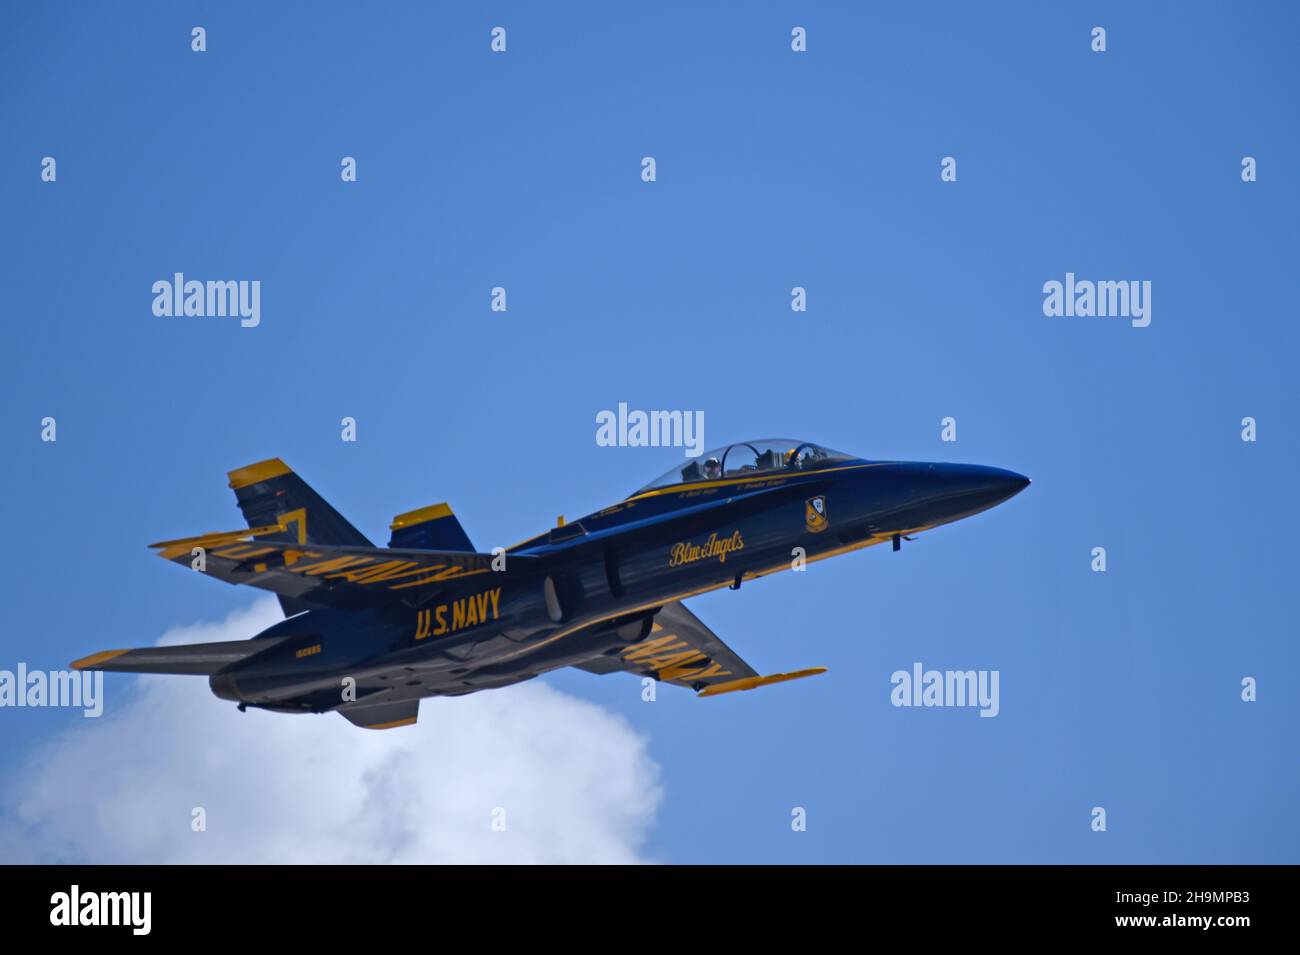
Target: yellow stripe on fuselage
pixel 693 486
pixel 748 479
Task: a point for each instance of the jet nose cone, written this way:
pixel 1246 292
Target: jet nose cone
pixel 961 490
pixel 1001 484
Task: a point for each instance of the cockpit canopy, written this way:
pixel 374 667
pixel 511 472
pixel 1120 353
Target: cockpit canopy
pixel 770 455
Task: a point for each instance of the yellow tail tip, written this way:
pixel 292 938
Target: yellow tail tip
pixel 420 516
pixel 261 471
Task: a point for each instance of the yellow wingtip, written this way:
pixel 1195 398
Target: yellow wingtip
pixel 87 663
pixel 754 682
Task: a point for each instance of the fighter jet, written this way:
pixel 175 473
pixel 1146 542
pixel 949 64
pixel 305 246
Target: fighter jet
pixel 370 631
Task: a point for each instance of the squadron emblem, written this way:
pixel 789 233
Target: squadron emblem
pixel 815 514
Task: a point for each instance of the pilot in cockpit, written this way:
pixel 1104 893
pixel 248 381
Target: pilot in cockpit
pixel 712 470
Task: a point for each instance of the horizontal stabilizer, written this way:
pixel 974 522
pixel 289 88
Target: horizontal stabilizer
pixel 754 682
pixel 198 659
pixel 381 716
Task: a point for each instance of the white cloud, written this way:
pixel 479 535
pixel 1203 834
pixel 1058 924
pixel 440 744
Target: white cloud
pixel 576 781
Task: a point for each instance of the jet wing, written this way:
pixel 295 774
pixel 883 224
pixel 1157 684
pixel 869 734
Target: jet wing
pixel 680 649
pixel 328 575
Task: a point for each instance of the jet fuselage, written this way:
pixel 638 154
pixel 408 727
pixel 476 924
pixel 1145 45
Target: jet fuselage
pixel 593 586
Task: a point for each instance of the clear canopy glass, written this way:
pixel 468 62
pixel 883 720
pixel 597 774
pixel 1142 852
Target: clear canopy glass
pixel 769 455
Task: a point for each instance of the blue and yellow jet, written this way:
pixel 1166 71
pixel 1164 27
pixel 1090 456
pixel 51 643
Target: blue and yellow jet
pixel 371 630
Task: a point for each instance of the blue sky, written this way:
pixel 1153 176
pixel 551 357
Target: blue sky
pixel 775 169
